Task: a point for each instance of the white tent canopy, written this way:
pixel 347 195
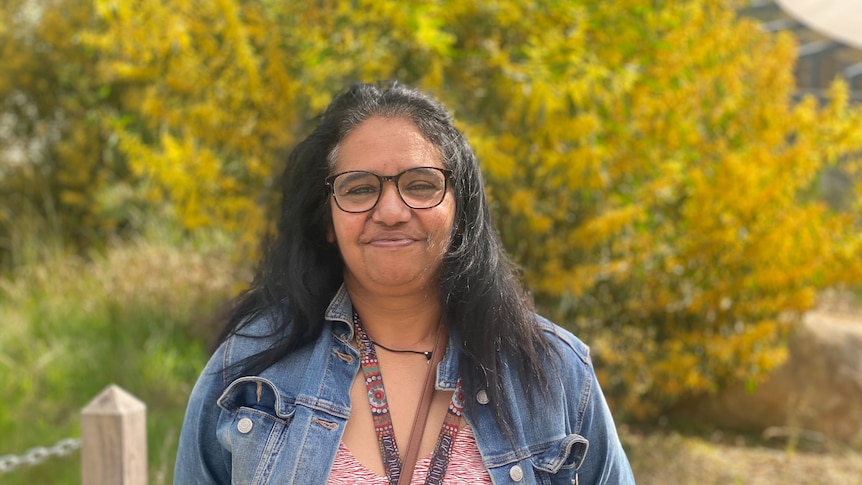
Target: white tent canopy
pixel 840 20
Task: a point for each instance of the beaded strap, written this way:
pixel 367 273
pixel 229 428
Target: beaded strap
pixel 383 420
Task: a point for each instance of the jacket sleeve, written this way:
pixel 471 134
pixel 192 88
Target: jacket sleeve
pixel 201 459
pixel 605 461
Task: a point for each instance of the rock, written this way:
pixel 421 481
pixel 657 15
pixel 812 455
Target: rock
pixel 816 392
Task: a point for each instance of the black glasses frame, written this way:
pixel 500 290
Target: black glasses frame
pixel 447 174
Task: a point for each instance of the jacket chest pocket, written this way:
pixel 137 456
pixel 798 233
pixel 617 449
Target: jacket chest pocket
pixel 554 463
pixel 253 427
pixel 559 463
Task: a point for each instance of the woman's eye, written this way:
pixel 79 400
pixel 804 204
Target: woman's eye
pixel 422 187
pixel 360 190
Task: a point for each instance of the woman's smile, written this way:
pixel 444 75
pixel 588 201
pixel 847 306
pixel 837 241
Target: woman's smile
pixel 392 240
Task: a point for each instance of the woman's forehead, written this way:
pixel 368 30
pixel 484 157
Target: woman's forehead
pixel 386 146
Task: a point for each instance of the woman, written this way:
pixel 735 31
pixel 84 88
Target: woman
pixel 386 326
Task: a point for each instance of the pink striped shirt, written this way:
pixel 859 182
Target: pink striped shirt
pixel 465 466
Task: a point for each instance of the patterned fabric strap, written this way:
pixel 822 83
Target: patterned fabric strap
pixel 383 420
pixel 451 424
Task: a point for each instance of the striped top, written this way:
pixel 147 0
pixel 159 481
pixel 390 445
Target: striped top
pixel 465 466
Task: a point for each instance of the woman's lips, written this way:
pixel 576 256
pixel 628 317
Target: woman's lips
pixel 392 240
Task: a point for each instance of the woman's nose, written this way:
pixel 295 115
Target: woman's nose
pixel 390 208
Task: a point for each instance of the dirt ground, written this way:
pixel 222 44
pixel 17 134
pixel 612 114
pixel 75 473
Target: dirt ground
pixel 671 458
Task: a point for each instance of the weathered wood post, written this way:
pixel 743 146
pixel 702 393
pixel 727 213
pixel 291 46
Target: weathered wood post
pixel 114 439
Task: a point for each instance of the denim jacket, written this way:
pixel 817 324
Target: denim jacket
pixel 284 425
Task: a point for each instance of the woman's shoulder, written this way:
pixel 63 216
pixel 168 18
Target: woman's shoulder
pixel 565 344
pixel 256 334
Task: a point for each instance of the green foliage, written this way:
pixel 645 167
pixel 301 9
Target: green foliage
pixel 130 316
pixel 647 164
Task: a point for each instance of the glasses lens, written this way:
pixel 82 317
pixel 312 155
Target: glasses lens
pixel 356 191
pixel 422 187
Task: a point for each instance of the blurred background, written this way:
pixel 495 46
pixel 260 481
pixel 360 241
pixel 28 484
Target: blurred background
pixel 680 182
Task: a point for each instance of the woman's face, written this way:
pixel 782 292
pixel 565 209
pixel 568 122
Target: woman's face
pixel 391 248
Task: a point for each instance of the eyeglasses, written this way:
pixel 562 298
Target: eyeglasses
pixel 359 191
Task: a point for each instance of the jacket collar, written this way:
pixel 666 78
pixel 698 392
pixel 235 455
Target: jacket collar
pixel 340 314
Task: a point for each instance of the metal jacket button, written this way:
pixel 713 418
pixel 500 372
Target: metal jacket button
pixel 482 396
pixel 244 425
pixel 516 473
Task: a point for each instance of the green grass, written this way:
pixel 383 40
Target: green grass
pixel 71 326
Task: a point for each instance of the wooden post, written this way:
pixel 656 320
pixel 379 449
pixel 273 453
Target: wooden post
pixel 114 439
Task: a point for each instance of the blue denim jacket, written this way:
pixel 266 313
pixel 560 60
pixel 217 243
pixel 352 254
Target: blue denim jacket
pixel 284 425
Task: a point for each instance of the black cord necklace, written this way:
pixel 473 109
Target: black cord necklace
pixel 427 354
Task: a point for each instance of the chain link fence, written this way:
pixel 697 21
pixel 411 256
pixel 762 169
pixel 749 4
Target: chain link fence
pixel 37 455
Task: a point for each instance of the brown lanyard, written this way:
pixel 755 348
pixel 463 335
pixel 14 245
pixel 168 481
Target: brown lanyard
pixel 418 429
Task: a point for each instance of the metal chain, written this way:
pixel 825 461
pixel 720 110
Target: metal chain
pixel 35 456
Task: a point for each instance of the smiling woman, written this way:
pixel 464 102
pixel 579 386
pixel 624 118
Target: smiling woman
pixel 387 267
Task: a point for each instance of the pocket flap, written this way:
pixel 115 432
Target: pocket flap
pixel 256 393
pixel 566 453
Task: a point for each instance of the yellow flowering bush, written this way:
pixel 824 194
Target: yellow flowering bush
pixel 647 164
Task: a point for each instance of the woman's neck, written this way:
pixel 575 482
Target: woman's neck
pixel 399 321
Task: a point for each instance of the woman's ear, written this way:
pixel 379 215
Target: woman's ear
pixel 330 235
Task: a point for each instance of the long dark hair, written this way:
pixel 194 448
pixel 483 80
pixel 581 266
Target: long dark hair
pixel 482 297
